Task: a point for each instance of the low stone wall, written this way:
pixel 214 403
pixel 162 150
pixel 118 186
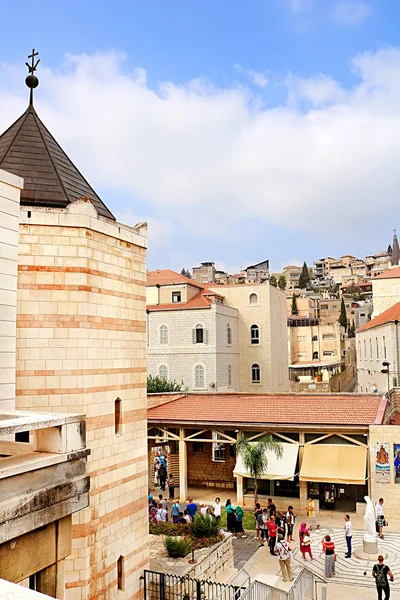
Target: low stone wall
pixel 338 382
pixel 211 562
pixel 158 399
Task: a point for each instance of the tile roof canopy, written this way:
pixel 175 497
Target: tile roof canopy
pixel 388 316
pixel 29 150
pixel 169 277
pixel 341 409
pixel 390 274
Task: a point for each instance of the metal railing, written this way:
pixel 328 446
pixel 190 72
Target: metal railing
pixel 306 586
pixel 163 586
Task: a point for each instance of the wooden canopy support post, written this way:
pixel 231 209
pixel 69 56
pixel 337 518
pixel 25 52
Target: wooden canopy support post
pixel 303 484
pixel 183 491
pixel 239 482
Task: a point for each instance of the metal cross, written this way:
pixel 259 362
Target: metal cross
pixel 32 68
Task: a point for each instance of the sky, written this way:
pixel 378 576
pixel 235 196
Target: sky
pixel 239 130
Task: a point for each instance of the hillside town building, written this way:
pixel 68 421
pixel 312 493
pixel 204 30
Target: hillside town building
pixel 219 338
pixel 79 345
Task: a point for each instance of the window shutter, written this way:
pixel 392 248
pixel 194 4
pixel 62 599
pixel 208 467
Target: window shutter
pixel 204 336
pixel 194 335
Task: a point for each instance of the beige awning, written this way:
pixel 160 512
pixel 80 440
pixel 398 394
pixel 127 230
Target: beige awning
pixel 278 468
pixel 334 463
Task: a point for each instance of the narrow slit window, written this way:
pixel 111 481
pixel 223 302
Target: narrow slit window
pixel 118 417
pixel 120 573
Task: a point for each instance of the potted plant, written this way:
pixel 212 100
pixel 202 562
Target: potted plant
pixel 318 376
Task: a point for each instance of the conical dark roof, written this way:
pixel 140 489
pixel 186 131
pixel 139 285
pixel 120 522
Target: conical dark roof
pixel 395 250
pixel 29 150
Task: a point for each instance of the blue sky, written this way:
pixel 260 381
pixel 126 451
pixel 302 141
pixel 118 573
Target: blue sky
pixel 240 130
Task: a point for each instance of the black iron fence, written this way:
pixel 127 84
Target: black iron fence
pixel 163 586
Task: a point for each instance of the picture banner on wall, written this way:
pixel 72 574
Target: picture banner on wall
pixel 382 462
pixel 396 454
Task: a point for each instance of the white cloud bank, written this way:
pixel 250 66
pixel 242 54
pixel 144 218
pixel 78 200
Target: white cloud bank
pixel 212 159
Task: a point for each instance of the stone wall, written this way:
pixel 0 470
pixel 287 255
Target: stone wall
pixel 154 400
pixel 203 472
pixel 338 382
pixel 10 187
pixel 390 492
pixel 392 414
pixel 211 562
pixel 81 347
pixel 374 346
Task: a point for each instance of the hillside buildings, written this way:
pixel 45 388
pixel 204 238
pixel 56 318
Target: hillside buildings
pixel 220 338
pixel 79 345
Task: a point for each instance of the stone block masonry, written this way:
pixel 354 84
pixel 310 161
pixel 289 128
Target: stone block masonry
pixel 81 347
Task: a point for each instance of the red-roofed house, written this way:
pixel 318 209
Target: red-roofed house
pixel 325 444
pixel 216 338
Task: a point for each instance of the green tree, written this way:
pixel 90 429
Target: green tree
pixel 354 292
pixel 390 249
pixel 183 272
pixel 254 457
pixel 158 385
pixel 295 310
pixel 304 280
pixel 282 282
pixel 188 274
pixel 343 316
pixel 273 281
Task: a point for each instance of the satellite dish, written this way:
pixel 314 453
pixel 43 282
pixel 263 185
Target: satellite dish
pixel 374 389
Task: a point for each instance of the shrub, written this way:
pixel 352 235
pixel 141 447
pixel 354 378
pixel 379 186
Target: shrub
pixel 168 528
pixel 204 527
pixel 157 385
pixel 176 548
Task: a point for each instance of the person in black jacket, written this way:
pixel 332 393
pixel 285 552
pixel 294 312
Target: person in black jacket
pixel 162 475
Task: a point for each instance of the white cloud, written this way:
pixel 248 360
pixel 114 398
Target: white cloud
pixel 259 78
pixel 160 231
pixel 209 162
pixel 351 12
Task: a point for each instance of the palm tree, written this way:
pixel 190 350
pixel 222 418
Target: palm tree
pixel 254 456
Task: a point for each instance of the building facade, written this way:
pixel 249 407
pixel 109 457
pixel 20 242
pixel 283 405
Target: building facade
pixel 81 346
pixel 205 273
pixel 386 290
pixel 257 273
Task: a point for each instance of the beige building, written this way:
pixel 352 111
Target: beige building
pixel 80 344
pixel 377 342
pixel 315 349
pixel 306 307
pixel 205 273
pixel 377 264
pixel 221 338
pixel 292 274
pixel 386 290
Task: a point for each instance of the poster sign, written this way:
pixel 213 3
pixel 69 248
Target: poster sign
pixel 382 463
pixel 396 454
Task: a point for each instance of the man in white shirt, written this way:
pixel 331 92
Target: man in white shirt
pixel 282 549
pixel 380 519
pixel 162 514
pixel 348 534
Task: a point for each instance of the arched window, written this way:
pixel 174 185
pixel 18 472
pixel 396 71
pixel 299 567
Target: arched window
pixel 163 371
pixel 384 347
pixel 163 335
pixel 255 374
pixel 377 349
pixel 315 338
pixel 315 355
pixel 253 299
pixel 229 376
pixel 370 348
pixel 254 334
pixel 199 335
pixel 228 334
pixel 199 376
pixel 365 349
pixel 359 348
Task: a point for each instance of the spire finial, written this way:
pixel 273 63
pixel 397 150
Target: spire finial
pixel 32 81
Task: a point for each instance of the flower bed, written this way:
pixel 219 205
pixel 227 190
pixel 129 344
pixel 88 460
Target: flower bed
pixel 185 532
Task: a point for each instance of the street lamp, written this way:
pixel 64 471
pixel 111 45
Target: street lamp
pixel 386 371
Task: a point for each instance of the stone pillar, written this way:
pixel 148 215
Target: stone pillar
pixel 183 491
pixel 303 484
pixel 239 482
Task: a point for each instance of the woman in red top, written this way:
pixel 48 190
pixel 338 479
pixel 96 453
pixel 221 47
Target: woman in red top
pixel 305 541
pixel 272 530
pixel 328 548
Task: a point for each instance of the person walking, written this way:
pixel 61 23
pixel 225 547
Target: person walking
pixel 310 511
pixel 239 521
pixel 163 501
pixel 348 534
pixel 230 518
pixel 162 475
pixel 175 509
pixel 272 531
pixel 281 524
pixel 258 513
pixel 171 486
pixel 328 548
pixel 283 551
pixel 217 509
pixel 263 525
pixel 380 519
pixel 162 514
pixel 290 521
pixel 305 541
pixel 381 571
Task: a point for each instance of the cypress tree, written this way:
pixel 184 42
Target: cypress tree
pixel 273 281
pixel 295 310
pixel 343 317
pixel 304 279
pixel 282 282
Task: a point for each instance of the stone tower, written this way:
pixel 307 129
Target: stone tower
pixel 395 250
pixel 81 347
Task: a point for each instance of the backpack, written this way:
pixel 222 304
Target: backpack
pixel 260 521
pixel 380 576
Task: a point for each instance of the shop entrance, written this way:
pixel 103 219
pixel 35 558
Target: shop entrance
pixel 337 496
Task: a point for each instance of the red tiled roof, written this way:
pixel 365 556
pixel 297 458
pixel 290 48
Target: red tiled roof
pixel 168 277
pixel 198 301
pixel 389 274
pixel 388 316
pixel 341 409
